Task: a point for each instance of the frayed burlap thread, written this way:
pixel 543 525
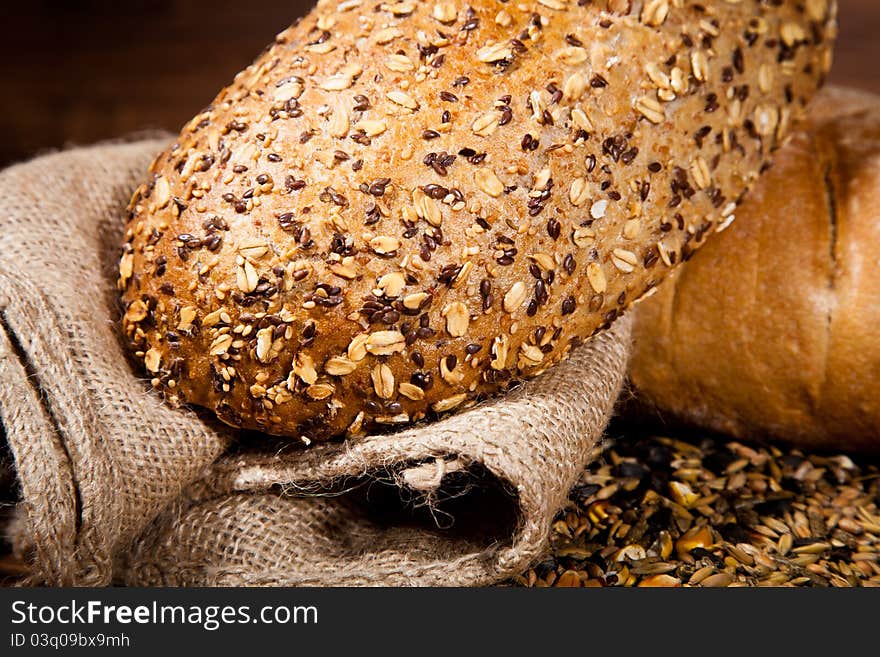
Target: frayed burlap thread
pixel 117 487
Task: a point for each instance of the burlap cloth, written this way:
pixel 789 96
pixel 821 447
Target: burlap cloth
pixel 115 487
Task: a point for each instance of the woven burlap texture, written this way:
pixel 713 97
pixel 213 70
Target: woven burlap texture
pixel 117 487
pixel 95 454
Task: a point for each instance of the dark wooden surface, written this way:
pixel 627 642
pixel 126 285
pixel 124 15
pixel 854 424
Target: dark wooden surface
pixel 76 71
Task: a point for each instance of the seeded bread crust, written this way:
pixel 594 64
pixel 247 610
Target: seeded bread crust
pixel 400 208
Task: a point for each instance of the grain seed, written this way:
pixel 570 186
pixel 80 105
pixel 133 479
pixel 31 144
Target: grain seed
pixel 161 192
pixel 220 345
pixel 717 580
pixel 384 343
pixel 500 347
pixel 486 124
pixel 374 127
pixel 654 12
pixel 253 248
pixel 445 12
pixel 383 381
pixel 264 343
pixel 414 301
pixel 579 192
pixel 246 277
pixel 384 244
pixel 392 284
pixel 399 64
pixel 583 236
pixel 187 317
pixel 339 124
pixel 625 261
pixel 357 348
pixel 403 99
pixel 700 172
pixel 488 182
pixel 304 368
pixel 651 109
pixel 339 366
pixel 450 372
pixel 598 209
pixel 411 391
pixel 514 297
pixel 700 65
pixel 495 52
pixel 320 391
pixel 152 360
pixel 449 403
pixel 596 278
pixel 457 319
pixel 572 55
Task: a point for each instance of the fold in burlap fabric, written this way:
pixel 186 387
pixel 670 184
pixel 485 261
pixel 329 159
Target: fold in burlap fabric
pixel 117 487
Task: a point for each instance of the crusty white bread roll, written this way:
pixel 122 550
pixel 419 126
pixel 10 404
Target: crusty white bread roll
pixel 400 207
pixel 773 330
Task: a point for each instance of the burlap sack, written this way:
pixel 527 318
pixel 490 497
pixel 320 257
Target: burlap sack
pixel 116 487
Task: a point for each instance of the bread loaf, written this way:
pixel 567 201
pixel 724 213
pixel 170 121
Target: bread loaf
pixel 771 331
pixel 401 207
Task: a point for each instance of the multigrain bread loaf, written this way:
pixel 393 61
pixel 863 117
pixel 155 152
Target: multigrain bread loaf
pixel 401 207
pixel 772 330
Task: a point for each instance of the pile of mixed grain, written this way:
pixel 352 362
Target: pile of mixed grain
pixel 664 512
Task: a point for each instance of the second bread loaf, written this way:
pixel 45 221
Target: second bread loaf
pixel 771 330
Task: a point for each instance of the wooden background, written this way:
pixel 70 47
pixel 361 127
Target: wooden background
pixel 76 71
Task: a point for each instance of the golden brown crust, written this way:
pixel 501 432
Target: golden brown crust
pixel 399 207
pixel 771 330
